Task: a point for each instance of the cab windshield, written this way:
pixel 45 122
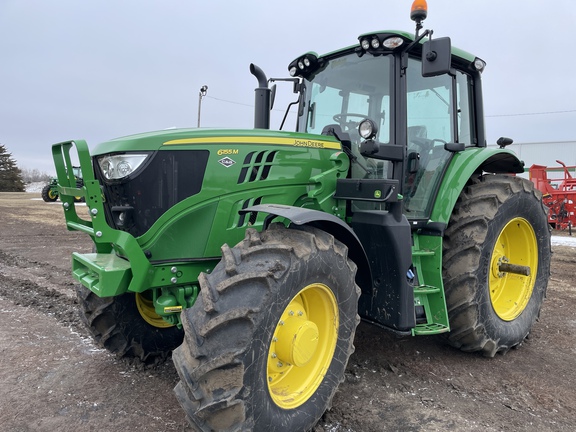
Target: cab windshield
pixel 346 91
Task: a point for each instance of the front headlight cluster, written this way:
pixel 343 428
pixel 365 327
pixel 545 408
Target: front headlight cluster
pixel 118 166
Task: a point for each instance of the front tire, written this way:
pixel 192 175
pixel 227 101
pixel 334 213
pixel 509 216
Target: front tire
pixel 267 342
pixel 48 194
pixel 127 326
pixel 497 222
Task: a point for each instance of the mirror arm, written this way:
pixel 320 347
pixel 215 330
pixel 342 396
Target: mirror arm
pixel 412 45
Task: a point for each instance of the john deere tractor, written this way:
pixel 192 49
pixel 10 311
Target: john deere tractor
pixel 252 255
pixel 50 191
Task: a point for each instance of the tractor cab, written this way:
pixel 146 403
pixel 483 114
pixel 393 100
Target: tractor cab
pixel 396 118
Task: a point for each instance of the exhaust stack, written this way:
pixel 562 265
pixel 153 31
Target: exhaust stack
pixel 262 99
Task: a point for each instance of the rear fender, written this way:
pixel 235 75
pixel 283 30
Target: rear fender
pixel 466 164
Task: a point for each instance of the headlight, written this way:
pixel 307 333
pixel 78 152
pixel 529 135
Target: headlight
pixel 115 167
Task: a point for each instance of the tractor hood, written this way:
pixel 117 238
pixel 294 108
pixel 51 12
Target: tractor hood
pixel 152 141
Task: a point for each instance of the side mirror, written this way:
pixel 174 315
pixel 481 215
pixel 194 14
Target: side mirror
pixel 436 57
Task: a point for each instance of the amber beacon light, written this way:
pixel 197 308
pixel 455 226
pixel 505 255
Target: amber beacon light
pixel 419 10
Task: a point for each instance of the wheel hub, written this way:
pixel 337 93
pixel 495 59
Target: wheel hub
pixel 146 308
pixel 512 269
pixel 297 339
pixel 302 346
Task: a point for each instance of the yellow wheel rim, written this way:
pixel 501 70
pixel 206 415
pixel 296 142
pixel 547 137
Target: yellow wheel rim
pixel 52 194
pixel 146 308
pixel 302 346
pixel 510 292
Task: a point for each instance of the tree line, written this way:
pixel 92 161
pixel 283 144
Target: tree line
pixel 14 179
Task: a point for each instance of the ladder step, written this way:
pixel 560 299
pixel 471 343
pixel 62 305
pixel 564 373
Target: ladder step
pixel 430 310
pixel 430 329
pixel 426 289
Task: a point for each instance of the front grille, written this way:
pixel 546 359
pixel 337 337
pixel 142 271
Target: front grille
pixel 134 203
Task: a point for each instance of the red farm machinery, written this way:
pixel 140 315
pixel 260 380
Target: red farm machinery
pixel 558 188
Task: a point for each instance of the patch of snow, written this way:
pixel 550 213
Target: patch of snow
pixel 35 186
pixel 564 241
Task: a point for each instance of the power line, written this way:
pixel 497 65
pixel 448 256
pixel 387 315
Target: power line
pixel 492 115
pixel 239 103
pixel 534 113
pixel 229 101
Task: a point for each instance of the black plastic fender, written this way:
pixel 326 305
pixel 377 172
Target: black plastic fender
pixel 326 222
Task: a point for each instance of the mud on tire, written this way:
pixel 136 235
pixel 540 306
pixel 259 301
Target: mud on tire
pixel 117 325
pixel 495 216
pixel 226 363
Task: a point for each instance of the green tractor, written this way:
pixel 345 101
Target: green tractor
pixel 50 191
pixel 252 255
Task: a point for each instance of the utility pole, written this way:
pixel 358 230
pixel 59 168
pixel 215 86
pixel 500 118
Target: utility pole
pixel 201 95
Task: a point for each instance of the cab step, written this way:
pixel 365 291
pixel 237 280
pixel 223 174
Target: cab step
pixel 430 309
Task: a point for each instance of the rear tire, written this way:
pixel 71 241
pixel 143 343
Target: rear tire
pixel 497 219
pixel 118 326
pixel 48 195
pixel 268 339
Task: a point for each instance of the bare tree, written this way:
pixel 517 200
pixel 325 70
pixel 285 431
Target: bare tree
pixel 34 175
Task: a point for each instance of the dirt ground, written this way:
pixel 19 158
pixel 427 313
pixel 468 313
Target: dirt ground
pixel 55 379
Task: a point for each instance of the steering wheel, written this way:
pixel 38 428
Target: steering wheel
pixel 349 124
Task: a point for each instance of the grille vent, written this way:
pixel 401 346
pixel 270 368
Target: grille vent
pixel 256 166
pixel 249 218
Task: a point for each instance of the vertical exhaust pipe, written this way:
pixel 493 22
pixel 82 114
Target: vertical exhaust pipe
pixel 262 101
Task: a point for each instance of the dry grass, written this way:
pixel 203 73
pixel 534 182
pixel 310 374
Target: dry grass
pixel 29 207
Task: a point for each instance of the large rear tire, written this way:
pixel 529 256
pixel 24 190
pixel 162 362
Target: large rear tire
pixel 268 340
pixel 498 222
pixel 127 326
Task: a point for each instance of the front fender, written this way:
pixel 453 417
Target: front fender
pixel 326 222
pixel 462 167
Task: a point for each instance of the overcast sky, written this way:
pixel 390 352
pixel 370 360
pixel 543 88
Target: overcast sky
pixel 99 69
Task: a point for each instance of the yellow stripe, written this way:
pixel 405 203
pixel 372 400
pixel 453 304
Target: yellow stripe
pixel 258 140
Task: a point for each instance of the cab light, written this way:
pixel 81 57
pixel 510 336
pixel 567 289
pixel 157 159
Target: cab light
pixel 367 129
pixel 479 64
pixel 365 44
pixel 375 43
pixel 393 42
pixel 116 167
